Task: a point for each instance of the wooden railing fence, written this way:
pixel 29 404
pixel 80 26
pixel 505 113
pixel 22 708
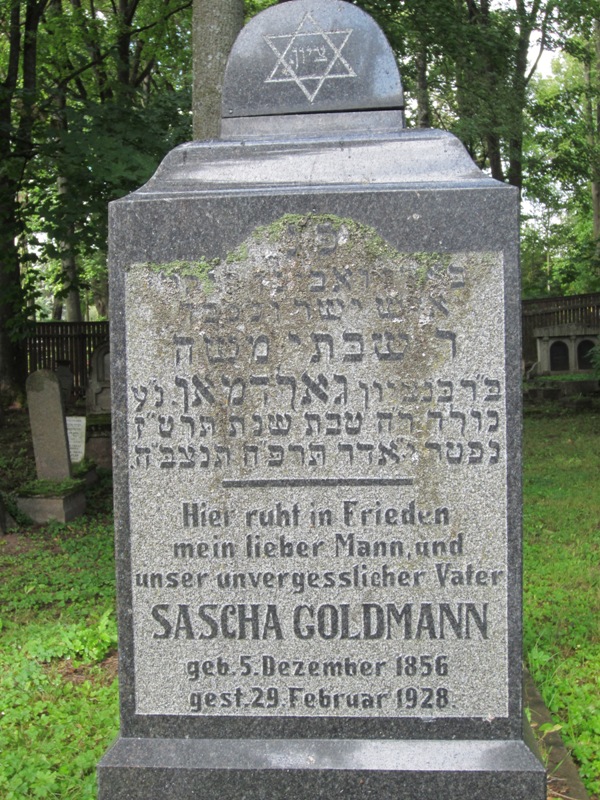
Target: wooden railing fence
pixel 72 342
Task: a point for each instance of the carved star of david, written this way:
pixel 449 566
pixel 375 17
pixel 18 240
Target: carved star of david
pixel 309 57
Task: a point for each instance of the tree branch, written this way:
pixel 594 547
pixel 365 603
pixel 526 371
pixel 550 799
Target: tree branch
pixel 12 71
pixel 99 57
pixel 543 42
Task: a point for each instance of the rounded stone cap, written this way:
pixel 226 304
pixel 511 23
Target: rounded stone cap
pixel 310 56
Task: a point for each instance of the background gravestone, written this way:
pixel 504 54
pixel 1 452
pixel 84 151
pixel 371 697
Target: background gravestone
pixel 316 387
pixel 48 429
pixel 51 450
pixel 98 446
pixel 98 390
pixel 66 380
pixel 76 438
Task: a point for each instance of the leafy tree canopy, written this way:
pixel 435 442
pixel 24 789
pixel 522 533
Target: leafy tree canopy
pixel 93 93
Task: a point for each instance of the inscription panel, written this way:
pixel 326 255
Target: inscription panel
pixel 317 435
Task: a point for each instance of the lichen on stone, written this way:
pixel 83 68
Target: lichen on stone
pixel 201 270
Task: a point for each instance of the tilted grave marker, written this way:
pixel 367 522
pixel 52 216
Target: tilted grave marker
pixel 315 362
pixel 48 428
pixel 51 450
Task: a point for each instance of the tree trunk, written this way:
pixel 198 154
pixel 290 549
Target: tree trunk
pixel 592 118
pixel 12 371
pixel 10 279
pixel 527 21
pixel 215 27
pixel 423 105
pixel 57 309
pixel 16 123
pixel 494 155
pixel 72 305
pixel 596 148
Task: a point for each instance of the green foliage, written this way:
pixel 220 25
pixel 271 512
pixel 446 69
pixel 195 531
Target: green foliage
pixel 68 569
pixel 94 280
pixel 10 504
pixel 81 469
pixel 105 96
pixel 560 252
pixel 58 701
pixel 254 7
pixel 561 585
pixel 551 381
pixel 107 150
pixel 15 466
pixel 47 488
pixel 53 732
pixel 82 643
pixel 201 270
pixel 595 357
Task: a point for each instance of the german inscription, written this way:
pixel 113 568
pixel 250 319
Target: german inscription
pixel 317 468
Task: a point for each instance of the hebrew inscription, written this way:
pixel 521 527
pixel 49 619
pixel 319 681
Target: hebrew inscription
pixel 309 56
pixel 317 436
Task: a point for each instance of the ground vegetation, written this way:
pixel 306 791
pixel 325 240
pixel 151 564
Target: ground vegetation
pixel 58 686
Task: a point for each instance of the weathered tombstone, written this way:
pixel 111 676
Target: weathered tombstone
pixel 48 429
pixel 51 450
pixel 98 408
pixel 316 392
pixel 76 437
pixel 66 380
pixel 98 446
pixel 98 390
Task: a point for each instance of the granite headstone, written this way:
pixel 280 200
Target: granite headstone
pixel 98 390
pixel 48 429
pixel 76 437
pixel 66 380
pixel 316 388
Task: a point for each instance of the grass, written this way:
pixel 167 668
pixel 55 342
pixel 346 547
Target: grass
pixel 561 377
pixel 47 488
pixel 562 577
pixel 58 687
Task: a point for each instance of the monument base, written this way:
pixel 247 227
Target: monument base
pixel 61 508
pixel 98 447
pixel 152 769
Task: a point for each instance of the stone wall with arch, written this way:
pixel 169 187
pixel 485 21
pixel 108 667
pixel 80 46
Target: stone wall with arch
pixel 565 348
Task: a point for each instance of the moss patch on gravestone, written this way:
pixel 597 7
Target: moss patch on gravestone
pixel 277 229
pixel 200 270
pixel 373 245
pixel 46 488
